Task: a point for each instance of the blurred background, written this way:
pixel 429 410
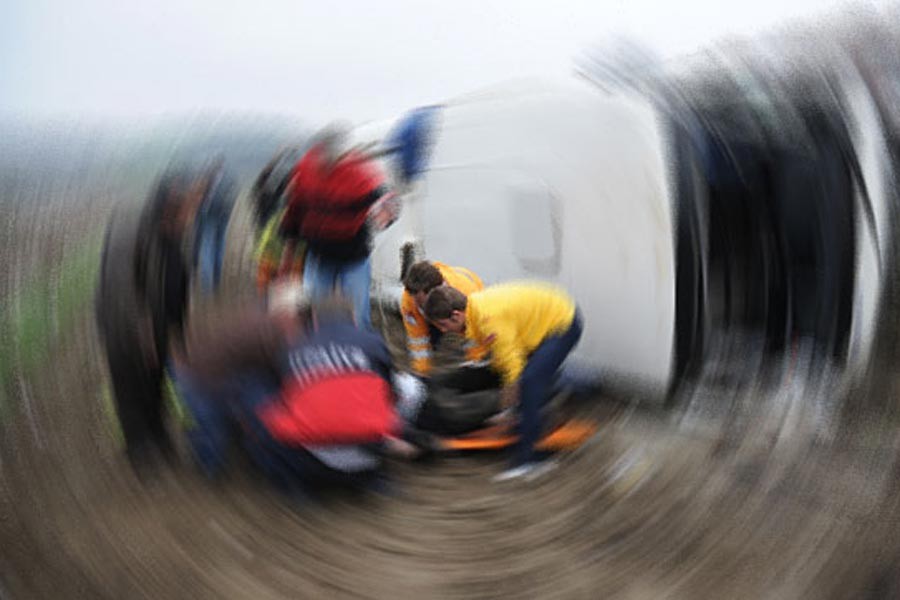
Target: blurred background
pixel 715 183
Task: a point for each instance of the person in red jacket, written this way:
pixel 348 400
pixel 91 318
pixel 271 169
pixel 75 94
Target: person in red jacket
pixel 229 362
pixel 330 199
pixel 335 415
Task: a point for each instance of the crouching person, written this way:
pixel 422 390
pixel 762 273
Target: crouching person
pixel 530 328
pixel 459 399
pixel 335 417
pixel 229 364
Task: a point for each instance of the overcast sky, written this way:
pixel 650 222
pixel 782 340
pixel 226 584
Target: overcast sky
pixel 357 59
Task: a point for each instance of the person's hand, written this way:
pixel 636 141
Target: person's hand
pixel 385 212
pixel 401 448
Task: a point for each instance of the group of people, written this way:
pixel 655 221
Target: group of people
pixel 297 376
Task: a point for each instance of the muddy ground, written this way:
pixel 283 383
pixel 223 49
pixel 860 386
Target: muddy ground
pixel 654 506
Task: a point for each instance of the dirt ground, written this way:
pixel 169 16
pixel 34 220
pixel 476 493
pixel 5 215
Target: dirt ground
pixel 650 508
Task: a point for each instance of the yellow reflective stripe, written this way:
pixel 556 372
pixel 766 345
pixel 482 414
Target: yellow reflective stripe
pixel 418 340
pixel 419 354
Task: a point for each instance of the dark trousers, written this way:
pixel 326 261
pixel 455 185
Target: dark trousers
pixel 292 469
pixel 230 405
pixel 217 408
pixel 140 408
pixel 536 385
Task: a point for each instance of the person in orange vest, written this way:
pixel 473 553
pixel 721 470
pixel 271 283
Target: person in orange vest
pixel 531 328
pixel 422 336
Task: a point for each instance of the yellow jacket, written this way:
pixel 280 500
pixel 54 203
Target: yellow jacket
pixel 418 340
pixel 512 319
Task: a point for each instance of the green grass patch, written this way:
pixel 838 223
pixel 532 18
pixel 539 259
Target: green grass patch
pixel 29 331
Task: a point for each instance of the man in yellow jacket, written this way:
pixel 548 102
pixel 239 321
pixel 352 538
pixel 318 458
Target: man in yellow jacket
pixel 421 336
pixel 530 328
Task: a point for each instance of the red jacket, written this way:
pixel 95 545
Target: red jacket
pixel 336 391
pixel 329 208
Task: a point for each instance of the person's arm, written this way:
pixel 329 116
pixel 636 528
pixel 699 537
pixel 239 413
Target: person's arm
pixel 509 360
pixel 380 212
pixel 385 210
pixel 476 354
pixel 418 341
pixel 409 394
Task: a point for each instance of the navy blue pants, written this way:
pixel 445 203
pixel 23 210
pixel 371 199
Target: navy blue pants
pixel 537 383
pixel 217 409
pixel 228 407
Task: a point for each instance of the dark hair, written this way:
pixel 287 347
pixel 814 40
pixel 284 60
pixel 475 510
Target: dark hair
pixel 422 277
pixel 168 194
pixel 331 141
pixel 442 301
pixel 166 199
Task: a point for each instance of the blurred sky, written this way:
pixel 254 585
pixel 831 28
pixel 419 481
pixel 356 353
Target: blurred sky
pixel 358 59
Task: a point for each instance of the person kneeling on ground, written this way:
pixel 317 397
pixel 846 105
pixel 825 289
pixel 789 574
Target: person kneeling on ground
pixel 460 399
pixel 230 364
pixel 421 335
pixel 335 416
pixel 530 328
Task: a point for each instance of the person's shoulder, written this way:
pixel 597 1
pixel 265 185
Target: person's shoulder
pixel 501 297
pixel 484 293
pixel 524 286
pixel 407 303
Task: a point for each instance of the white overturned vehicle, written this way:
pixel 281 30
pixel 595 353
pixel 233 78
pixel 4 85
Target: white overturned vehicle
pixel 620 203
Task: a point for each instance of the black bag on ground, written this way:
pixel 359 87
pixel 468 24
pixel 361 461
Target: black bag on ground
pixel 449 412
pixel 460 401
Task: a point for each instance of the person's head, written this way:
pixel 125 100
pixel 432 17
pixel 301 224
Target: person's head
pixel 171 209
pixel 331 143
pixel 421 278
pixel 332 309
pixel 446 309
